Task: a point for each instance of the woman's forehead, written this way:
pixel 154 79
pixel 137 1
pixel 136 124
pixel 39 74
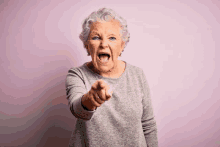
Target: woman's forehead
pixel 105 26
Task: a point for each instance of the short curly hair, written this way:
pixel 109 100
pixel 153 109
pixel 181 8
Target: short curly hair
pixel 102 14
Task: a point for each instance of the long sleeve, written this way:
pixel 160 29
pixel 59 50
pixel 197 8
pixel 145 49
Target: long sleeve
pixel 124 120
pixel 148 122
pixel 75 89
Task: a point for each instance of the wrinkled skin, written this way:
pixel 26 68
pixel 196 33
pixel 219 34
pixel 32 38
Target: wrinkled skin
pixel 99 93
pixel 105 37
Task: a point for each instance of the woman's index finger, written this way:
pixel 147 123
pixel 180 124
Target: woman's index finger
pixel 101 84
pixel 95 85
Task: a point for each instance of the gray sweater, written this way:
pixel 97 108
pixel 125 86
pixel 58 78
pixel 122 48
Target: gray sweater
pixel 126 120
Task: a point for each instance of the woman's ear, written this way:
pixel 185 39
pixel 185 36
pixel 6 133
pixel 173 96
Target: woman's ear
pixel 122 45
pixel 87 48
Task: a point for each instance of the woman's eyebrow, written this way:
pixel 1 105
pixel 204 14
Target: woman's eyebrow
pixel 94 33
pixel 112 34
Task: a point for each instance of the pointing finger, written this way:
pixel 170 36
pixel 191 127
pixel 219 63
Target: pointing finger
pixel 95 85
pixel 101 84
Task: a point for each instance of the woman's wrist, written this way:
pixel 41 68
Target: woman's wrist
pixel 83 102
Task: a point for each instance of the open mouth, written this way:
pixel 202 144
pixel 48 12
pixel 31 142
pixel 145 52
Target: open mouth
pixel 104 57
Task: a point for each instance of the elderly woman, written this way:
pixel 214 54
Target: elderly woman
pixel 110 98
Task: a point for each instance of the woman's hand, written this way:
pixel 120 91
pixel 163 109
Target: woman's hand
pixel 98 94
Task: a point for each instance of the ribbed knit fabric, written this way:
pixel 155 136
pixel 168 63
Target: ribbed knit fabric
pixel 126 120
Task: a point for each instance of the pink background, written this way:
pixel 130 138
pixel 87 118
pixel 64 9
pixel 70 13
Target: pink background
pixel 177 43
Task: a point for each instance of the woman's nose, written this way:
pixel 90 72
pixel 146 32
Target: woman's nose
pixel 104 43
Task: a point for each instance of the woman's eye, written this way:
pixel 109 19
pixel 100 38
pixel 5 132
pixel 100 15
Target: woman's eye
pixel 112 38
pixel 95 38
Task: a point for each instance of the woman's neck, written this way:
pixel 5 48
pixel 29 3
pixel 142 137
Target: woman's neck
pixel 115 73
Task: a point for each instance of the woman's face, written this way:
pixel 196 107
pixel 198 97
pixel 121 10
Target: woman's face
pixel 105 45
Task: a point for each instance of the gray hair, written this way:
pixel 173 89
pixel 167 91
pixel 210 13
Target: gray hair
pixel 103 14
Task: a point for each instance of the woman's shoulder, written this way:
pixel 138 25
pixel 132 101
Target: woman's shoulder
pixel 134 69
pixel 136 73
pixel 79 70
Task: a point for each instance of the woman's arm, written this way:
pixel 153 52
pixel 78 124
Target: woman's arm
pixel 75 89
pixel 148 122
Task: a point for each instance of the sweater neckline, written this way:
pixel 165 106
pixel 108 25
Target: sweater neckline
pixel 107 78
